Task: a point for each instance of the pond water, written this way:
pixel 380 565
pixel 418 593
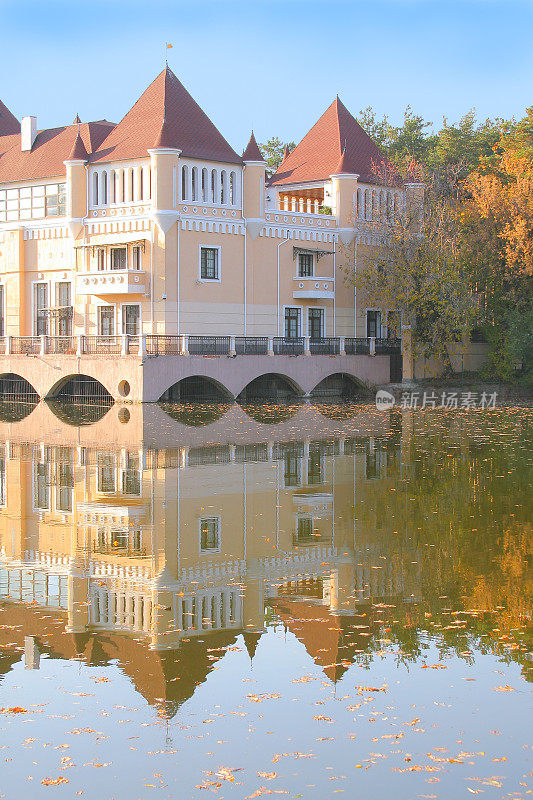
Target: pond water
pixel 231 602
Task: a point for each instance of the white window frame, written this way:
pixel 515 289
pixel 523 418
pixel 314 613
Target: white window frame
pixel 33 307
pixel 219 263
pixel 300 320
pixel 299 465
pixel 139 247
pixel 110 261
pixel 121 307
pixel 41 460
pixel 313 273
pixel 381 313
pixel 104 304
pixel 218 521
pixel 318 308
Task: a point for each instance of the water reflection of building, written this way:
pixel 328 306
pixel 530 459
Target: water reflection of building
pixel 162 558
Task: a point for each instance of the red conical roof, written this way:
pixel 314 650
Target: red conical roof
pixel 187 127
pixel 319 153
pixel 252 152
pixel 79 151
pixel 9 124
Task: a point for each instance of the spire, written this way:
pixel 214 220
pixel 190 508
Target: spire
pixel 77 120
pixel 252 152
pixel 286 154
pixel 8 122
pixel 251 639
pixel 78 152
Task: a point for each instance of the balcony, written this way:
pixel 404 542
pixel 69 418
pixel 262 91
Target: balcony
pixel 314 288
pixel 124 281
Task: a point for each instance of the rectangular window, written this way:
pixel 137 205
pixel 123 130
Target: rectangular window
pixel 41 309
pixel 209 267
pixel 316 323
pixel 209 535
pixel 119 256
pixel 292 323
pixel 131 319
pixel 55 200
pixel 136 257
pixel 373 324
pixel 2 311
pixel 63 311
pixel 106 472
pixel 106 320
pixel 100 259
pixel 306 265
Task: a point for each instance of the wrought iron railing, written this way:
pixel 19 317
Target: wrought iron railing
pixel 356 347
pixel 251 345
pixel 60 345
pixel 102 345
pixel 209 345
pixel 329 346
pixel 293 346
pixel 25 345
pixel 385 347
pixel 162 345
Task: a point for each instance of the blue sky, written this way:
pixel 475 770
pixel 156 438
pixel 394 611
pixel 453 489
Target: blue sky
pixel 272 64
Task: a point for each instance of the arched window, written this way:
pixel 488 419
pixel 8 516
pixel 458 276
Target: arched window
pixel 104 188
pixel 141 183
pixel 223 187
pixel 95 189
pixel 131 189
pixel 205 185
pixel 374 205
pixel 184 182
pixel 359 203
pixel 112 186
pixel 233 188
pixel 213 185
pixel 368 209
pixel 194 176
pixel 149 183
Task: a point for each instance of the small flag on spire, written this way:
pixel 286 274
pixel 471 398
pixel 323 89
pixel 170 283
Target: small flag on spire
pixel 169 46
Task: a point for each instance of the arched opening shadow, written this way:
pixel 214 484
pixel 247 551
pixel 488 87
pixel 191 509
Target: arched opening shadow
pixel 270 413
pixel 14 410
pixel 271 386
pixel 77 414
pixel 195 415
pixel 196 389
pixel 340 386
pixel 80 390
pixel 16 388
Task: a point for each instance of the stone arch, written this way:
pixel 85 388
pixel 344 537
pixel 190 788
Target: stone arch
pixel 16 387
pixel 80 389
pixel 196 388
pixel 339 385
pixel 270 386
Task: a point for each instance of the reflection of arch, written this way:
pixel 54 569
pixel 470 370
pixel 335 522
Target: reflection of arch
pixel 270 386
pixel 340 385
pixel 80 389
pixel 77 414
pixel 15 387
pixel 196 388
pixel 15 411
pixel 337 410
pixel 271 413
pixel 195 414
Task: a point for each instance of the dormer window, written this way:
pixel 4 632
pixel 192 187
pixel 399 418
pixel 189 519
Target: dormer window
pixel 306 265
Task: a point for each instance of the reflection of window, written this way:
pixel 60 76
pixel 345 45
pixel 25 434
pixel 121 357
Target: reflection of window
pixel 375 463
pixel 106 473
pixel 315 467
pixel 2 481
pixel 304 530
pixel 41 486
pixel 210 534
pixel 291 473
pixel 305 265
pixel 123 541
pixel 2 311
pixel 131 479
pixel 65 486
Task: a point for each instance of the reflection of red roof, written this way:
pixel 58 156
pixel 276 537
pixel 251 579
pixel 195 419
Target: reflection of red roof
pixel 318 154
pixel 330 639
pixel 8 122
pixel 50 148
pixel 187 127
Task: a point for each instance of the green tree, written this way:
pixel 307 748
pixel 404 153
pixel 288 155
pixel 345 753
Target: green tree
pixel 273 151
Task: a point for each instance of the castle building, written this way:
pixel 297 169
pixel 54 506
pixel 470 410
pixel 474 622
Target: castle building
pixel 156 225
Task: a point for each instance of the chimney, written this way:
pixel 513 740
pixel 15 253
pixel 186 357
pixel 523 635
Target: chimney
pixel 28 132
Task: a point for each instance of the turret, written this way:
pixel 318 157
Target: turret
pixel 253 201
pixel 344 189
pixel 164 160
pixel 76 186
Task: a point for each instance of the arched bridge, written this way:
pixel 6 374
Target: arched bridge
pixel 147 368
